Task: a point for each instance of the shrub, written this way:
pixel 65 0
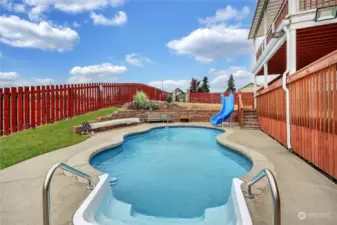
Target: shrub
pixel 141 100
pixel 155 107
pixel 152 106
pixel 169 98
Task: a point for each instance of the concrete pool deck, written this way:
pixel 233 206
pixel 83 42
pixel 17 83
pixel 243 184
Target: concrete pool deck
pixel 302 188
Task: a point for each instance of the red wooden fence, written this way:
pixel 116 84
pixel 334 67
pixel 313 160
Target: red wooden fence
pixel 206 97
pixel 28 107
pixel 313 112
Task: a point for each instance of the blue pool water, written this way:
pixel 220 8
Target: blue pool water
pixel 172 172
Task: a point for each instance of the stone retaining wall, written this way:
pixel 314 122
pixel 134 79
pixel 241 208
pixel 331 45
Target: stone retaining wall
pixel 194 115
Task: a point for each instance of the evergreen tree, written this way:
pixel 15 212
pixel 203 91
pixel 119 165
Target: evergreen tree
pixel 231 84
pixel 194 85
pixel 205 86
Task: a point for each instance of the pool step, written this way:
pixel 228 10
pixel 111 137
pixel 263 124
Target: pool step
pixel 120 214
pixel 103 219
pixel 118 210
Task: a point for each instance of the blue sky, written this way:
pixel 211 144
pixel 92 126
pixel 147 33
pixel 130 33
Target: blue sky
pixel 146 41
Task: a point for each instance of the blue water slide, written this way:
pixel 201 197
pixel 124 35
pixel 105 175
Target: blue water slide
pixel 226 109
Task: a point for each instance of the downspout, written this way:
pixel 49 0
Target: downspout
pixel 284 85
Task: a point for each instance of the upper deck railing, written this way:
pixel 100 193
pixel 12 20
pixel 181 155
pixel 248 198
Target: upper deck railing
pixel 281 15
pixel 314 4
pixel 304 5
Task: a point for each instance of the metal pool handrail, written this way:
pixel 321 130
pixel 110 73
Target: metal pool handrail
pixel 46 185
pixel 274 191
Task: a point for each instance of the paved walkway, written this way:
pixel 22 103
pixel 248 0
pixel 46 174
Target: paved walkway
pixel 302 188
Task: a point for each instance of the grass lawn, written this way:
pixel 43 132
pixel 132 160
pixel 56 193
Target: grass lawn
pixel 33 142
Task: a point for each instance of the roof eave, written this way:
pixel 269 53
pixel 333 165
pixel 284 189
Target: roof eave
pixel 250 35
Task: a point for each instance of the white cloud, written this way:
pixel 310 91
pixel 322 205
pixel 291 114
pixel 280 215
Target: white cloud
pixel 212 43
pixel 136 59
pixel 220 77
pixel 36 13
pixel 18 8
pixel 3 2
pixel 217 40
pixel 21 33
pixel 96 73
pixel 75 24
pixel 238 72
pixel 217 80
pixel 118 19
pixel 225 14
pixel 74 6
pixel 170 85
pixel 13 79
pixel 43 81
pixel 8 79
pixel 241 76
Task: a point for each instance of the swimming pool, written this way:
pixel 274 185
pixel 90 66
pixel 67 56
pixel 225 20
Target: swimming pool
pixel 168 176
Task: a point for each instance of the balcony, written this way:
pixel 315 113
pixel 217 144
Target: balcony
pixel 280 16
pixel 314 4
pixel 303 5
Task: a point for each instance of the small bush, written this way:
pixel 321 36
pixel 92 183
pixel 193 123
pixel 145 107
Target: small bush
pixel 169 98
pixel 141 100
pixel 152 106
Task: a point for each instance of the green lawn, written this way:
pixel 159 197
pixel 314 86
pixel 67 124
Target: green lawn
pixel 27 144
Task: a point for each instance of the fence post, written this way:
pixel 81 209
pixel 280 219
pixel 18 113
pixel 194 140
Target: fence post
pixel 57 106
pixel 68 101
pixel 78 92
pixel 86 98
pixel 20 109
pixel 6 111
pixel 89 97
pixel 119 94
pixel 38 105
pixel 65 98
pixel 80 112
pixel 74 98
pixel 52 103
pixel 13 110
pixel 97 96
pixel 61 102
pixel 48 104
pixel 1 112
pixel 78 99
pixel 32 106
pixel 103 92
pixel 43 110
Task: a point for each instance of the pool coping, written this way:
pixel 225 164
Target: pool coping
pixel 82 160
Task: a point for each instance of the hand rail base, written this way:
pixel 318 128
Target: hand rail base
pixel 46 185
pixel 274 191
